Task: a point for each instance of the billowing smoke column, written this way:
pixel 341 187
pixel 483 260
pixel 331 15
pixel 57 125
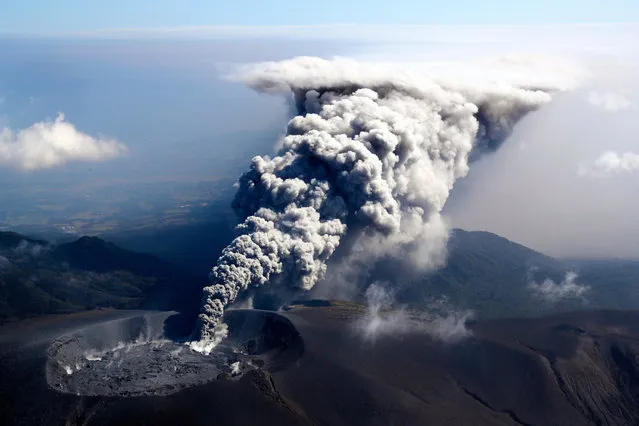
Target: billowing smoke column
pixel 370 151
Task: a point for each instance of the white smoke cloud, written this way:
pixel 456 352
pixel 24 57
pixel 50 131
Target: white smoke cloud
pixel 609 101
pixel 445 322
pixel 236 369
pixel 49 144
pixel 379 319
pixel 440 320
pixel 93 355
pixel 611 163
pixel 551 292
pixel 215 335
pixel 374 151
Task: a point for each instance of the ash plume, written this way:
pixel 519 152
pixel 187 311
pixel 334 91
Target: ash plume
pixel 372 153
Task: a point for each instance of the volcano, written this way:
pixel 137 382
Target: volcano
pixel 308 365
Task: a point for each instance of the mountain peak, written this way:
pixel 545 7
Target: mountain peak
pixel 89 240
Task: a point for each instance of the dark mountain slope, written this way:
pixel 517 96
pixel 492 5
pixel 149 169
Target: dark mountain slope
pixel 492 276
pixel 614 283
pixel 95 254
pixel 11 240
pixel 484 273
pixel 39 279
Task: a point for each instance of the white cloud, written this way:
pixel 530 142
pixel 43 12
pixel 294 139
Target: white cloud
pixel 551 292
pixel 49 144
pixel 609 101
pixel 611 162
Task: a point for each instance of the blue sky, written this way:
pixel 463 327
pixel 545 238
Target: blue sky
pixel 46 17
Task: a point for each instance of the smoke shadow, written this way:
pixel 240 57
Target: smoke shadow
pixel 179 327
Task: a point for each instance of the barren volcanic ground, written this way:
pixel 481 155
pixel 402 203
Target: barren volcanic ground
pixel 307 365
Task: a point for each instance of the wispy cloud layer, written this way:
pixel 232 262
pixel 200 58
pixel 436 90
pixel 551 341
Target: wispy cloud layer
pixel 609 101
pixel 360 31
pixel 54 143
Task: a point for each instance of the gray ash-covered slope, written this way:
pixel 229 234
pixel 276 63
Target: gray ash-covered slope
pixel 573 368
pixel 40 278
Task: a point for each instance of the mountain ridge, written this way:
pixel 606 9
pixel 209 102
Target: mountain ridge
pixel 39 278
pixel 485 273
